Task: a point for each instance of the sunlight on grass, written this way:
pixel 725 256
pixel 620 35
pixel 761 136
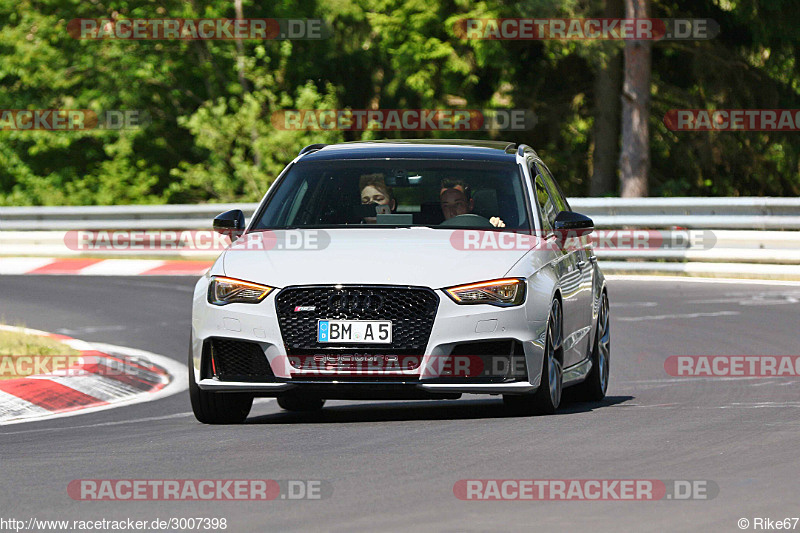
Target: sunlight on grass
pixel 16 350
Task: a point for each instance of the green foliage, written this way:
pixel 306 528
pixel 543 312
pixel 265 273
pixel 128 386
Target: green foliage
pixel 243 149
pixel 212 139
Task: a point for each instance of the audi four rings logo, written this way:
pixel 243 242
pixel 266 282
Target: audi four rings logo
pixel 344 301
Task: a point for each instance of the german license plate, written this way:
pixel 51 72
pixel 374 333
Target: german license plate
pixel 355 331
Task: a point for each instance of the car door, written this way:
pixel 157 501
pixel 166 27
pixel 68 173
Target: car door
pixel 564 264
pixel 576 283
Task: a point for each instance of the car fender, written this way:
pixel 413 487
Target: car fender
pixel 542 287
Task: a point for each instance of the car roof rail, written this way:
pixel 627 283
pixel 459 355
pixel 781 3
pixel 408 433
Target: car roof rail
pixel 312 148
pixel 523 148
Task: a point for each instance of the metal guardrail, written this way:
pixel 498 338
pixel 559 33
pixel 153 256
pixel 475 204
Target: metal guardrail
pixel 101 217
pixel 700 213
pixel 703 213
pixel 753 236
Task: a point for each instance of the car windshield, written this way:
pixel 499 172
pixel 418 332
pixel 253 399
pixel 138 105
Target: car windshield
pixel 398 193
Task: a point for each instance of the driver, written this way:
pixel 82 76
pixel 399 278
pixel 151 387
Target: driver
pixel 374 191
pixel 455 197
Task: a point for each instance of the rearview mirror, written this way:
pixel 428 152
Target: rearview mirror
pixel 230 223
pixel 571 224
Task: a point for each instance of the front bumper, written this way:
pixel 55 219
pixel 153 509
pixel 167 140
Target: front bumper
pixel 456 328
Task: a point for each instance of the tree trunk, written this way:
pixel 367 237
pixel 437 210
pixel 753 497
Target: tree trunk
pixel 634 161
pixel 607 85
pixel 237 6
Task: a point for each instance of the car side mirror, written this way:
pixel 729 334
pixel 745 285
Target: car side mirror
pixel 230 223
pixel 571 224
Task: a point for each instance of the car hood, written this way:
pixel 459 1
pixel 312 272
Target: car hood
pixel 398 256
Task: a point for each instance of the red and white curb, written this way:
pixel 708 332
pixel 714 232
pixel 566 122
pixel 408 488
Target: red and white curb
pixel 102 267
pixel 91 385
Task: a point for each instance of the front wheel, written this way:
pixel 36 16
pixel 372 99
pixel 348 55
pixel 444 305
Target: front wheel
pixel 548 396
pixel 217 407
pixel 596 384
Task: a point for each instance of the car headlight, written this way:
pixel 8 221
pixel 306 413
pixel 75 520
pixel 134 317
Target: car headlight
pixel 224 291
pixel 501 292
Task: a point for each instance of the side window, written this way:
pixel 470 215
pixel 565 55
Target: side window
pixel 555 191
pixel 545 204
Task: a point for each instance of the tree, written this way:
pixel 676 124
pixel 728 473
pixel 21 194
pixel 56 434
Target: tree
pixel 634 161
pixel 211 137
pixel 608 80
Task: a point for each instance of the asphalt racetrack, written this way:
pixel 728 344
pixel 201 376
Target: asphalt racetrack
pixel 393 465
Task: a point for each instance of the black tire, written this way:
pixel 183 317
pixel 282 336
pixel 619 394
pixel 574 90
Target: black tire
pixel 594 388
pixel 547 397
pixel 217 407
pixel 295 402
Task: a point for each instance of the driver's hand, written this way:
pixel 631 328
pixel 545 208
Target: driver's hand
pixel 497 223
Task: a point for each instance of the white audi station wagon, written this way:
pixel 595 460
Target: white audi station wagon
pixel 402 270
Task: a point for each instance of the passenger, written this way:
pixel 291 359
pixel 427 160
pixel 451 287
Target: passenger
pixel 374 191
pixel 455 197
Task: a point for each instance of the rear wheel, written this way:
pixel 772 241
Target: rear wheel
pixel 548 396
pixel 217 407
pixel 596 384
pixel 294 402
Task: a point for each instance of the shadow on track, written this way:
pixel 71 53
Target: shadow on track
pixel 421 410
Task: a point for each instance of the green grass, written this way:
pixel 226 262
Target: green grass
pixel 14 346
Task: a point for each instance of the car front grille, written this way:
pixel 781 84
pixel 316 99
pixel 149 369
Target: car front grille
pixel 412 311
pixel 235 360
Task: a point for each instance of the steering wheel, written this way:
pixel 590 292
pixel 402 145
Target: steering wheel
pixel 470 220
